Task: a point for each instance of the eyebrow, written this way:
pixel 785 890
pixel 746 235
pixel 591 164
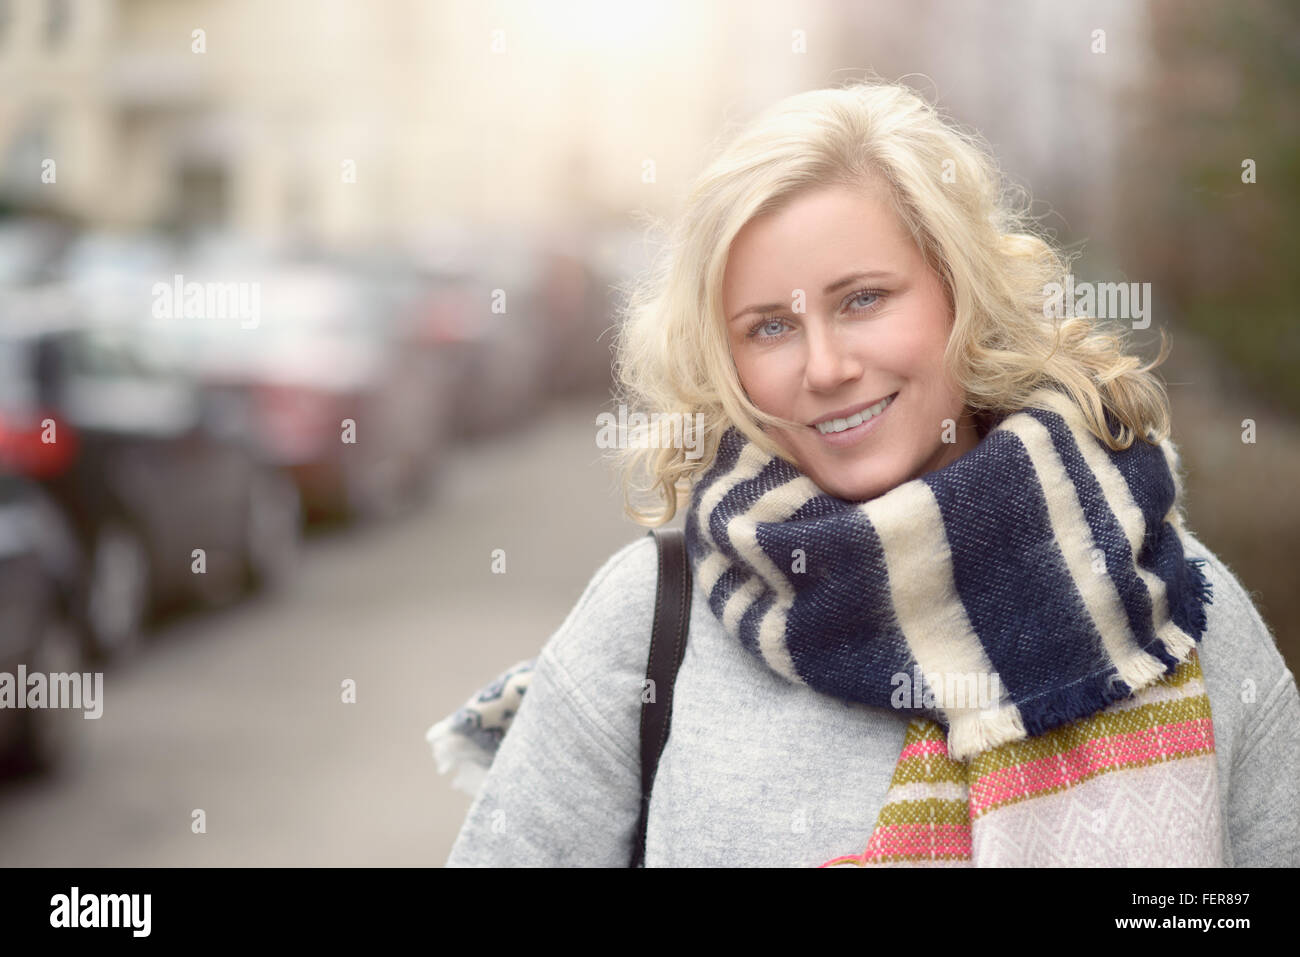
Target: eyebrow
pixel 833 287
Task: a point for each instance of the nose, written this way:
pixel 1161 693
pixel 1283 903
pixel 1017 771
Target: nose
pixel 829 364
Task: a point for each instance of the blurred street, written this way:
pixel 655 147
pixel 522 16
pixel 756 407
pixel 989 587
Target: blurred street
pixel 239 712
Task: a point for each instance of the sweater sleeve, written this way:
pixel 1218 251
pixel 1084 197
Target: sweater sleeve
pixel 1264 782
pixel 564 788
pixel 1264 795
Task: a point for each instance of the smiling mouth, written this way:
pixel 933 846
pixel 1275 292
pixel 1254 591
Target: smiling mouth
pixel 831 426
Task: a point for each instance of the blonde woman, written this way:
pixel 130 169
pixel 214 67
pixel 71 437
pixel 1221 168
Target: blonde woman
pixel 946 609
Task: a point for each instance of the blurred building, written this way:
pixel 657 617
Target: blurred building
pixel 348 122
pixel 201 114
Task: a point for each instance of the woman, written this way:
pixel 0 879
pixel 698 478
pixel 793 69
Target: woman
pixel 946 609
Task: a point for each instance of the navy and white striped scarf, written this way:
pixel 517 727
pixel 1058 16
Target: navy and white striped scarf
pixel 1040 558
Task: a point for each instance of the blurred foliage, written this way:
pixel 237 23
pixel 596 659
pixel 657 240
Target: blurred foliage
pixel 1224 252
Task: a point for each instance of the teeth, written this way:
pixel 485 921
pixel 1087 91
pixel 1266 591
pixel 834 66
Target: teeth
pixel 839 425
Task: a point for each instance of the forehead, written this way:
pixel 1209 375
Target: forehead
pixel 817 236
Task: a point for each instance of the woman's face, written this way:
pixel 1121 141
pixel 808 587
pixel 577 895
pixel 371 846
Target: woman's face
pixel 873 324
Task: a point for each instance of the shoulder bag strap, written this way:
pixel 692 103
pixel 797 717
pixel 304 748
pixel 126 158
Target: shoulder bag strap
pixel 667 645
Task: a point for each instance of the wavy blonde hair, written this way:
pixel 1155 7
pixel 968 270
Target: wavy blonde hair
pixel 672 355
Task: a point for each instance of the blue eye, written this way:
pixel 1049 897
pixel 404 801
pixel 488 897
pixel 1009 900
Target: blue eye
pixel 765 323
pixel 865 292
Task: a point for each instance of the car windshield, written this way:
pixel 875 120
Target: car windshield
pixel 97 255
pixel 301 318
pixel 19 255
pixel 107 353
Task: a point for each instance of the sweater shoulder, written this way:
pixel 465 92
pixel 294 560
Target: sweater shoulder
pixel 601 648
pixel 1245 673
pixel 1256 709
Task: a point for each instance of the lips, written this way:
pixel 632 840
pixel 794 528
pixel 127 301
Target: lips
pixel 849 411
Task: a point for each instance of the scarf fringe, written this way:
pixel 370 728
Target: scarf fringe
pixel 1200 594
pixel 970 733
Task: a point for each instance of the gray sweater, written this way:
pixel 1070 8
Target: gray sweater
pixel 760 772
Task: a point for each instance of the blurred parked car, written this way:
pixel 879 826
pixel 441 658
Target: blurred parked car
pixel 38 577
pixel 483 306
pixel 146 466
pixel 124 263
pixel 330 396
pixel 397 295
pixel 577 306
pixel 30 250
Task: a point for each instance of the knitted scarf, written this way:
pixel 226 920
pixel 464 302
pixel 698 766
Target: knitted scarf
pixel 1028 606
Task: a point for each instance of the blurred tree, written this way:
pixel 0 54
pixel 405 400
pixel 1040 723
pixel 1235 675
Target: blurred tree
pixel 1223 252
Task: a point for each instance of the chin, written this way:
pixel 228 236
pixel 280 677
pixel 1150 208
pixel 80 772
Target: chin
pixel 859 488
pixel 852 481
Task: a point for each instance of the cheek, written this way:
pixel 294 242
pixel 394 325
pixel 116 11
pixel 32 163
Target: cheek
pixel 935 396
pixel 914 346
pixel 770 378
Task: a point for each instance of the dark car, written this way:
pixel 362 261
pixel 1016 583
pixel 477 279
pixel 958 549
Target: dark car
pixel 159 481
pixel 38 575
pixel 481 306
pixel 332 395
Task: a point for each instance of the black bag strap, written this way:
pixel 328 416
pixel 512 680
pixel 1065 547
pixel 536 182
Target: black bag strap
pixel 667 645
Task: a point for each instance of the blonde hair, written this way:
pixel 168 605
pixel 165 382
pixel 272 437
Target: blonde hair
pixel 672 354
